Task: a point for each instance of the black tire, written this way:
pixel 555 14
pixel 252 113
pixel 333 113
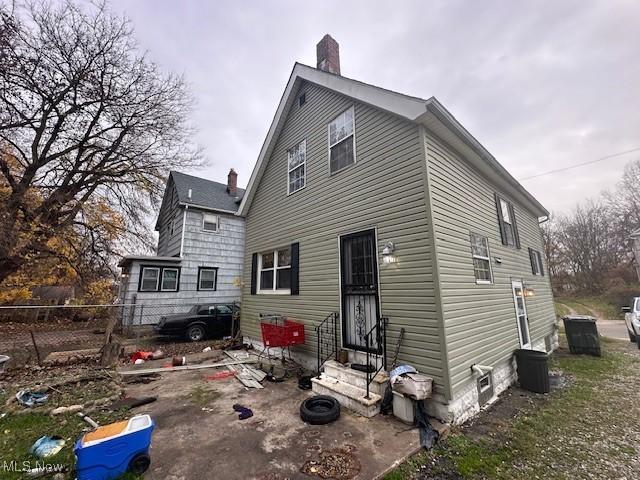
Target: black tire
pixel 638 341
pixel 139 464
pixel 632 337
pixel 320 410
pixel 195 333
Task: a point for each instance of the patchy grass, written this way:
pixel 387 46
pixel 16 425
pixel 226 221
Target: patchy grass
pixel 561 309
pixel 591 426
pixel 202 396
pixel 19 432
pixel 597 306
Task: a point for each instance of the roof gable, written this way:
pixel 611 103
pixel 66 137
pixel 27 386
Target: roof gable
pixel 430 113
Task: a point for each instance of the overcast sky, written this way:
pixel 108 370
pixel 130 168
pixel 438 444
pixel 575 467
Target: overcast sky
pixel 541 84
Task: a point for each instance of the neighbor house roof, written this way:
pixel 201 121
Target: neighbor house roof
pixel 205 193
pixel 430 112
pixel 635 233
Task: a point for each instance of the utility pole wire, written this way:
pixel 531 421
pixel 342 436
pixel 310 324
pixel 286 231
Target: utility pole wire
pixel 581 164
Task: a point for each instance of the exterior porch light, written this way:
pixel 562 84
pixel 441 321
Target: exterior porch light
pixel 387 254
pixel 529 292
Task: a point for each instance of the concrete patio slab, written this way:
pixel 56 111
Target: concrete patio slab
pixel 199 436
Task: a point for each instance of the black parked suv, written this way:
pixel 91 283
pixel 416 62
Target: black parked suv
pixel 201 321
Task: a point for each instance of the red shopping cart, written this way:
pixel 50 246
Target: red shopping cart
pixel 277 331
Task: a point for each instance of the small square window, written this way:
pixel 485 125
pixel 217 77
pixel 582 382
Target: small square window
pixel 302 99
pixel 210 223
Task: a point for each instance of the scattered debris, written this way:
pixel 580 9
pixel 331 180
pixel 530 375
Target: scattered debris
pixel 178 361
pixel 333 464
pixel 220 375
pixel 406 380
pixel 144 356
pixel 47 446
pixel 304 382
pixel 428 435
pixel 88 419
pixel 206 349
pixel 184 367
pixel 145 378
pixel 69 409
pixel 30 399
pixel 244 412
pixel 72 355
pixel 4 359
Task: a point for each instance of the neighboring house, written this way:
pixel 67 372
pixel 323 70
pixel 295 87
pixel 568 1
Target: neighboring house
pixel 372 204
pixel 200 250
pixel 635 247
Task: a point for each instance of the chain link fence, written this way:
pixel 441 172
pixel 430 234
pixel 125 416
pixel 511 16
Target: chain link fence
pixel 30 333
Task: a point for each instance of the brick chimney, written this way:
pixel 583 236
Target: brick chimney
pixel 328 53
pixel 232 183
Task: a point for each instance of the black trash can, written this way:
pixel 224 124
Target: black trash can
pixel 582 335
pixel 533 370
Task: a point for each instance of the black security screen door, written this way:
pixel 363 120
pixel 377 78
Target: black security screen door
pixel 359 289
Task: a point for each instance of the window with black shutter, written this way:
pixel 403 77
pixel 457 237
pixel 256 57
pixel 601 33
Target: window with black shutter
pixel 507 222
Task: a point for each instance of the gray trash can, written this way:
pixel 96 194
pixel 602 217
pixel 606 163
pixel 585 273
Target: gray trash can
pixel 582 335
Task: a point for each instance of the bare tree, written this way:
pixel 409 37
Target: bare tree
pixel 84 117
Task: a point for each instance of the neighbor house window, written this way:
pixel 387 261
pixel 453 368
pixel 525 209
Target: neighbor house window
pixel 159 279
pixel 169 279
pixel 507 222
pixel 536 262
pixel 207 278
pixel 297 162
pixel 150 279
pixel 342 141
pixel 210 222
pixel 481 259
pixel 275 271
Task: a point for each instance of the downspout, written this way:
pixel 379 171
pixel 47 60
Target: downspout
pixel 184 223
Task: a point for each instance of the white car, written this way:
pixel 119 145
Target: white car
pixel 632 319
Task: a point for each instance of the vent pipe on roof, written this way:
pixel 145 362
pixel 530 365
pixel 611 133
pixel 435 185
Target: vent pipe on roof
pixel 189 193
pixel 328 53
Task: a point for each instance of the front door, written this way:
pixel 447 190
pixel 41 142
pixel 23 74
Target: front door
pixel 521 313
pixel 359 289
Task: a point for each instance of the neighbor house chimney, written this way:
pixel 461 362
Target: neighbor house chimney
pixel 232 182
pixel 328 52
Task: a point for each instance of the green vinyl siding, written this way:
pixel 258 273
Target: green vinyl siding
pixel 479 320
pixel 385 190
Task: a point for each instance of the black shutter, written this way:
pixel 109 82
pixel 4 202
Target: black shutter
pixel 503 234
pixel 295 269
pixel 254 273
pixel 532 259
pixel 512 214
pixel 541 266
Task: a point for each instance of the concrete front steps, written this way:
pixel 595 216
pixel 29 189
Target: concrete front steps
pixel 348 386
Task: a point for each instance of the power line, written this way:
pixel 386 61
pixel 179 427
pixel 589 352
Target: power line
pixel 581 164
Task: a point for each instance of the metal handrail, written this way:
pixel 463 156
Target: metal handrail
pixel 380 330
pixel 330 326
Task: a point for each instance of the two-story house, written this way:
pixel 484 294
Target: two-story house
pixel 370 203
pixel 200 250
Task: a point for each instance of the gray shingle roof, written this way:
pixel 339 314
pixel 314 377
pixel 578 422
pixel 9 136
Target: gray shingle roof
pixel 205 193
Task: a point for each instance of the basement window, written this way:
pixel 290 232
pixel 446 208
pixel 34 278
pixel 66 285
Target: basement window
pixel 485 388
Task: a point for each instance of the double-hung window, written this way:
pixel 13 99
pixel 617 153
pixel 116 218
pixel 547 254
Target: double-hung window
pixel 507 222
pixel 297 167
pixel 159 279
pixel 481 258
pixel 207 278
pixel 274 269
pixel 210 222
pixel 342 141
pixel 536 262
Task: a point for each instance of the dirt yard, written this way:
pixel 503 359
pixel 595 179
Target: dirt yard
pixel 588 429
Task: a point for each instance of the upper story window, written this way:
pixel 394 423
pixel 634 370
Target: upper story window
pixel 342 141
pixel 536 262
pixel 274 271
pixel 210 222
pixel 297 167
pixel 481 258
pixel 302 99
pixel 507 222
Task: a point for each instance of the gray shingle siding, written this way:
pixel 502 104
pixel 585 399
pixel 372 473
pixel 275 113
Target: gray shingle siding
pixel 479 320
pixel 385 190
